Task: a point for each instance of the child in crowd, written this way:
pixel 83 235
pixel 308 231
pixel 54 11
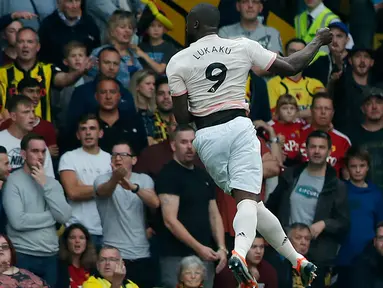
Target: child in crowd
pixel 365 202
pixel 287 126
pixel 154 51
pixel 75 54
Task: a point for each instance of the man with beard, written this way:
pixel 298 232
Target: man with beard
pixel 347 92
pixel 369 134
pixel 310 193
pixel 164 118
pixel 331 66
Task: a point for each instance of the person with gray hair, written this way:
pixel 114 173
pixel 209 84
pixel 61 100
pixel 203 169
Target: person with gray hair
pixel 191 272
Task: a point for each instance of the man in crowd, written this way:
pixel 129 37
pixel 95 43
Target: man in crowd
pixel 189 211
pixel 164 119
pixel 121 198
pixel 83 100
pixel 300 236
pixel 112 270
pixel 78 170
pixel 331 66
pixel 322 111
pixel 9 53
pixel 31 88
pixel 23 119
pixel 27 64
pixel 315 17
pixel 301 88
pixel 368 266
pixel 116 124
pixel 348 90
pixel 5 169
pixel 33 203
pixel 369 134
pixel 66 24
pixel 250 26
pixel 311 194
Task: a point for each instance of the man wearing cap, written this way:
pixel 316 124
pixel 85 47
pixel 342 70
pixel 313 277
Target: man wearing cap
pixel 369 134
pixel 252 28
pixel 315 17
pixel 329 66
pixel 347 91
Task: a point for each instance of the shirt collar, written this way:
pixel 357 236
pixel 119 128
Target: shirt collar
pixel 66 21
pixel 319 9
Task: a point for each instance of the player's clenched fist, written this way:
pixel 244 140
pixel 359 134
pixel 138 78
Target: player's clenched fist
pixel 324 35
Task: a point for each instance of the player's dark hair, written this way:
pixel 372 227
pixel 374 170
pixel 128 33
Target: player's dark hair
pixel 127 143
pixel 180 128
pixel 319 134
pixel 161 80
pixel 357 152
pixel 17 100
pixel 108 48
pixel 320 95
pixel 3 150
pixel 86 117
pixel 294 40
pixel 27 82
pixel 207 14
pixel 28 138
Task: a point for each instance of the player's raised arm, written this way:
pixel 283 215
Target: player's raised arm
pixel 295 63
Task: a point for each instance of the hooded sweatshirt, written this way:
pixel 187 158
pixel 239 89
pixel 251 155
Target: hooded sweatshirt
pixel 366 210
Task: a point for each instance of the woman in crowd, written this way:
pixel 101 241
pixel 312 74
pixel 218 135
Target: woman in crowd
pixel 77 257
pixel 120 31
pixel 191 273
pixel 10 275
pixel 142 89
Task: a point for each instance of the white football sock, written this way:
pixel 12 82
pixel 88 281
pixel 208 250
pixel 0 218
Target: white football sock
pixel 271 229
pixel 244 224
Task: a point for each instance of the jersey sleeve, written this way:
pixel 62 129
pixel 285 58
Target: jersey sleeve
pixel 258 55
pixel 176 78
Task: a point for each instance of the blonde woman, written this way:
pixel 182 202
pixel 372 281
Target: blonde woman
pixel 142 87
pixel 120 31
pixel 191 273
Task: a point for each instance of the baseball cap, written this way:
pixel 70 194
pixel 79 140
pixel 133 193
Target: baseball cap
pixel 356 49
pixel 373 92
pixel 340 25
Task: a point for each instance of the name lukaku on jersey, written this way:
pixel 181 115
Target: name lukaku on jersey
pixel 207 50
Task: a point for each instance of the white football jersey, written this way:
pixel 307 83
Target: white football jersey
pixel 213 72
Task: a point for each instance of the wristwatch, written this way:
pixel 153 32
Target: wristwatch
pixel 274 140
pixel 137 189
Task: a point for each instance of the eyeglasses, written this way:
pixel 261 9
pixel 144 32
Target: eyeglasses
pixel 112 259
pixel 4 247
pixel 122 155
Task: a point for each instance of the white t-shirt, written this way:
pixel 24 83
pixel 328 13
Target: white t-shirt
pixel 213 71
pixel 87 168
pixel 12 144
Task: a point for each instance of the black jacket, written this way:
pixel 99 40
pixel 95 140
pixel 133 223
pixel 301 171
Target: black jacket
pixel 367 269
pixel 332 208
pixel 55 34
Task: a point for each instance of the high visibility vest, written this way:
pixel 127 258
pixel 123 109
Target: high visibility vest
pixel 301 22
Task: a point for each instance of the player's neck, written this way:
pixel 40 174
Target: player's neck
pixel 249 25
pixel 109 117
pixel 316 170
pixel 16 131
pixel 360 79
pixel 373 126
pixel 360 183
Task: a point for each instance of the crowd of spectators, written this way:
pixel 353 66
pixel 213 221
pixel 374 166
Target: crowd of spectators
pixel 101 188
